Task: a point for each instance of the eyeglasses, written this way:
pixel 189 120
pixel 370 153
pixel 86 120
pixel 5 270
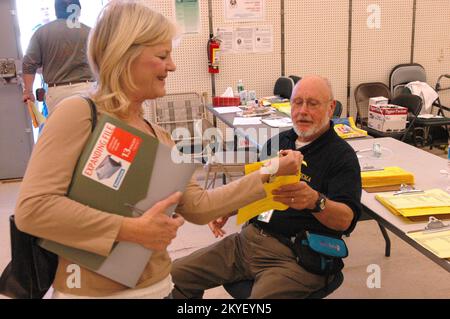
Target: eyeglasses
pixel 311 104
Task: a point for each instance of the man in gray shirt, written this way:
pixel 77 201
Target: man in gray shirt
pixel 59 47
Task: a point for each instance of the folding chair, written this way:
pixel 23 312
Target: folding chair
pixel 338 109
pixel 363 93
pixel 295 78
pixel 403 74
pixel 414 104
pixel 283 87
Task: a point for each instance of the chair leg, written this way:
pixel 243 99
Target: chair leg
pixel 387 252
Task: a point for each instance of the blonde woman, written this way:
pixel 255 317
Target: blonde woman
pixel 130 54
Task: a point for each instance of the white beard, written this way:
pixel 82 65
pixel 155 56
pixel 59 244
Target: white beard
pixel 313 130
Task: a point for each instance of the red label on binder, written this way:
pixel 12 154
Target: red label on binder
pixel 123 144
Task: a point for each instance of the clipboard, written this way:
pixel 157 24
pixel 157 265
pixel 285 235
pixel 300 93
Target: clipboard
pixel 435 237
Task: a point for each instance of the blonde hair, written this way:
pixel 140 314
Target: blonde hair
pixel 122 31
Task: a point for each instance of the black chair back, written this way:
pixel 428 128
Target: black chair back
pixel 283 87
pixel 338 109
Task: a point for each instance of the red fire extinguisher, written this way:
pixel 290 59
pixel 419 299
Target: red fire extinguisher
pixel 213 54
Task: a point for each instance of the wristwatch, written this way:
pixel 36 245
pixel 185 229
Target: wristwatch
pixel 320 204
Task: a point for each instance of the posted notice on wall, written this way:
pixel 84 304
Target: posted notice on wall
pixel 187 13
pixel 245 39
pixel 225 34
pixel 244 10
pixel 263 39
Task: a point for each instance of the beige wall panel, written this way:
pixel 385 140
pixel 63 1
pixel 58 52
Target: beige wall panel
pixel 190 56
pixel 258 71
pixel 376 51
pixel 316 41
pixel 432 41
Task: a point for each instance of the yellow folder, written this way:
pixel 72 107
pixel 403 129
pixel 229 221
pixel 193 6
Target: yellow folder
pixel 436 242
pixel 391 175
pixel 430 202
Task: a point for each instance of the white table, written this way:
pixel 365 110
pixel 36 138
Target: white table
pixel 426 169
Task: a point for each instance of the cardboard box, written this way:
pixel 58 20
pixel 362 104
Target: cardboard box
pixel 387 118
pixel 379 100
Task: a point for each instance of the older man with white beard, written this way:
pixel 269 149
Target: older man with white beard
pixel 326 201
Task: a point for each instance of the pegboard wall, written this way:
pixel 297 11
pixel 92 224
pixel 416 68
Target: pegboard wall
pixel 432 42
pixel 190 56
pixel 379 45
pixel 316 41
pixel 258 71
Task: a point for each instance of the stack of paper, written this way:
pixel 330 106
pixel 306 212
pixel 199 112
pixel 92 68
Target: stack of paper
pixel 280 122
pixel 273 100
pixel 247 121
pixel 438 242
pixel 283 107
pixel 430 202
pixel 387 176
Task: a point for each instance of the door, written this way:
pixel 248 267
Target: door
pixel 16 134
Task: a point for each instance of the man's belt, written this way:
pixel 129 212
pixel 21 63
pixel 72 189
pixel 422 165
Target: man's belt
pixel 68 83
pixel 281 238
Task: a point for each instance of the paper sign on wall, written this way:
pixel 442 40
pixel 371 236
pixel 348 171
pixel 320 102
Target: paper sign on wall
pixel 244 9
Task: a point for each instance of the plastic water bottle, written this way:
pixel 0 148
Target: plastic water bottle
pixel 240 86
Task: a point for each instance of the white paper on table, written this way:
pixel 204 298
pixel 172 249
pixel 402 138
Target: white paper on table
pixel 247 121
pixel 283 122
pixel 227 109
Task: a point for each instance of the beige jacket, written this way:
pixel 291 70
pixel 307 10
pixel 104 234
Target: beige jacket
pixel 44 210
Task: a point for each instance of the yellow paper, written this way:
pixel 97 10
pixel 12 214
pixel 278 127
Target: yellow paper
pixel 267 203
pixel 391 175
pixel 285 109
pixel 431 202
pixel 346 128
pixel 281 104
pixel 36 116
pixel 436 242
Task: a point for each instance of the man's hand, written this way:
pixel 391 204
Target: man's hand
pixel 217 225
pixel 289 162
pixel 298 196
pixel 28 95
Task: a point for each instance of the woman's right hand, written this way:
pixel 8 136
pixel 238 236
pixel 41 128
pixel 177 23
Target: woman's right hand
pixel 154 229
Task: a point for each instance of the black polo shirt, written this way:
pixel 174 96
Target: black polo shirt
pixel 333 169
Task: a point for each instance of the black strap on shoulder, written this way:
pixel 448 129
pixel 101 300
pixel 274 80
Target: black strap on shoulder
pixel 93 112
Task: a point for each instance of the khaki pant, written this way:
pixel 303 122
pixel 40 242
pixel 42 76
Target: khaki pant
pixel 56 94
pixel 247 255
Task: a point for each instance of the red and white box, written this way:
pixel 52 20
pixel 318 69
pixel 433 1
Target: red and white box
pixel 378 100
pixel 387 118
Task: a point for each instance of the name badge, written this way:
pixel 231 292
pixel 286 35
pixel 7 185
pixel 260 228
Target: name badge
pixel 266 216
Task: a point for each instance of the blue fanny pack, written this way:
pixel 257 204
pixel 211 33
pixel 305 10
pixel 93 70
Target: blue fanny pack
pixel 318 253
pixel 329 246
